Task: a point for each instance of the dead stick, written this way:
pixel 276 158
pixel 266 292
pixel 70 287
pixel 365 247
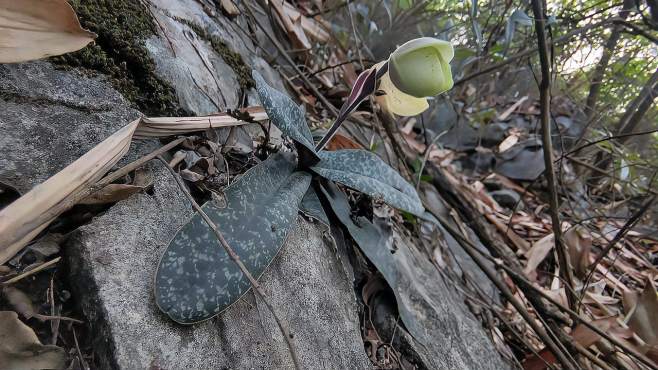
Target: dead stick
pixel 566 271
pixel 136 164
pixel 231 253
pixel 590 356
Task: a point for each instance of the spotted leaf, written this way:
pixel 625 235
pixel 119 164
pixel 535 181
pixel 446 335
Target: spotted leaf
pixel 196 279
pixel 312 207
pixel 366 172
pixel 287 116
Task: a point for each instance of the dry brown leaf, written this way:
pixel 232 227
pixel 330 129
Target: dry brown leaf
pixel 26 217
pixel 586 336
pixel 579 242
pixel 20 348
pixel 340 141
pixel 292 24
pixel 581 335
pixel 19 301
pixel 112 193
pixel 600 299
pixel 229 7
pixel 191 175
pixel 509 142
pixel 538 253
pixel 644 315
pixel 35 29
pixel 316 27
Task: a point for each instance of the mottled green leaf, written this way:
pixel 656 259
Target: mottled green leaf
pixel 312 207
pixel 366 172
pixel 285 115
pixel 196 279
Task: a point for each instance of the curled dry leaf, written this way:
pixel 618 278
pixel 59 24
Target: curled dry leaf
pixel 292 24
pixel 20 348
pixel 509 142
pixel 35 29
pixel 229 7
pixel 316 28
pixel 19 301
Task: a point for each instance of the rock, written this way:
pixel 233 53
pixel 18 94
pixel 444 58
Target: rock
pixel 494 133
pixel 481 160
pixel 50 117
pixel 460 137
pixel 205 57
pixel 452 337
pixel 506 198
pixel 112 262
pixel 524 161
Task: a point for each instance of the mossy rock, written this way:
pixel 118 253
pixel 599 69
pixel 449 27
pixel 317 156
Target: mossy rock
pixel 119 52
pixel 232 58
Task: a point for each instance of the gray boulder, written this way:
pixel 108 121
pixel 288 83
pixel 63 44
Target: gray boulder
pixel 51 117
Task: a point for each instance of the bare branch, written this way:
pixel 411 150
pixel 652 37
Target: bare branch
pixel 545 104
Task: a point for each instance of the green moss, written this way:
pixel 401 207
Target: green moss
pixel 232 58
pixel 119 52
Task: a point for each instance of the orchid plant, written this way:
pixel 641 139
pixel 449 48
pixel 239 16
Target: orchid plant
pixel 196 280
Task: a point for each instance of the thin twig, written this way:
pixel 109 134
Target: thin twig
pixel 530 52
pixel 469 246
pixel 611 137
pixel 545 104
pixel 136 164
pixel 22 276
pixel 520 308
pixel 54 325
pixel 83 363
pixel 234 256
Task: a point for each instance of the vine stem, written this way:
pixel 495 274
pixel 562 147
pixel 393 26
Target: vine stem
pixel 236 259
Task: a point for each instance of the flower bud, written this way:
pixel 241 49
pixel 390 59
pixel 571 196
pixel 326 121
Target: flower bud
pixel 421 68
